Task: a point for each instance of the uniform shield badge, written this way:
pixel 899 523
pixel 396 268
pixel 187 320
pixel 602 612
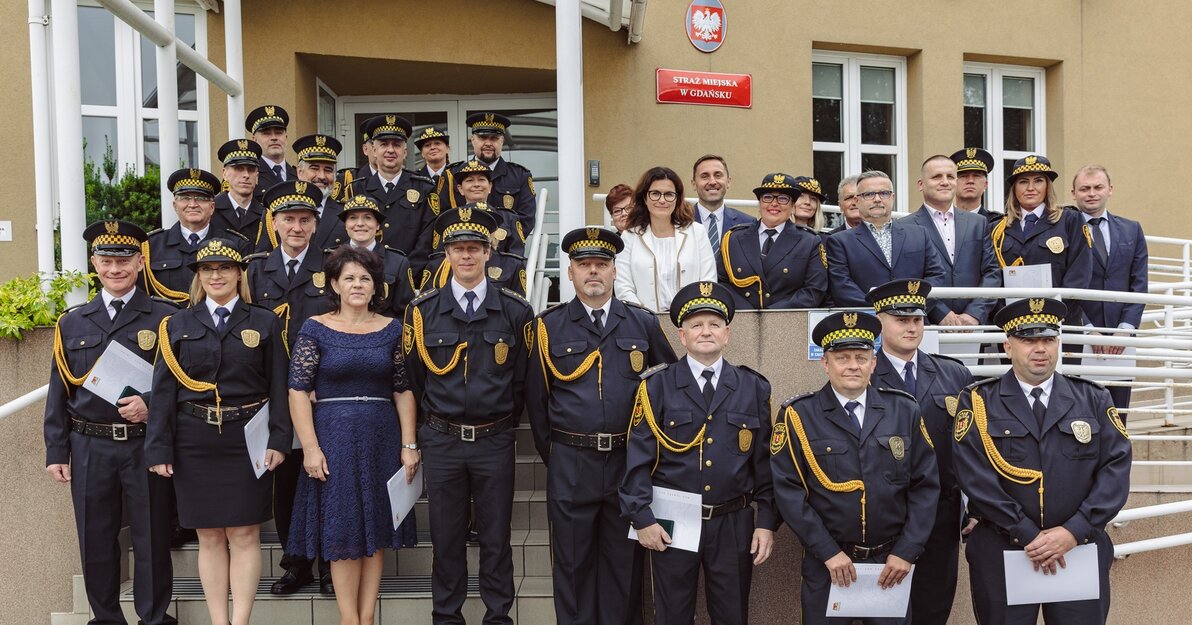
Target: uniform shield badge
pixel 251 338
pixel 745 440
pixel 146 339
pixel 1055 244
pixel 778 440
pixel 407 338
pixel 500 234
pixel 433 201
pixel 501 352
pixel 1116 420
pixel 637 360
pixel 964 419
pixel 508 200
pixel 494 273
pixel 1082 431
pixel 897 448
pixel 412 196
pixel 318 279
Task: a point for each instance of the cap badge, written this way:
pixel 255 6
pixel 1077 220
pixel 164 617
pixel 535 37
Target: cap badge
pixel 391 119
pixel 465 214
pixel 194 173
pixel 1030 160
pixel 242 144
pixel 850 320
pixel 970 152
pixel 912 287
pixel 269 110
pixel 320 140
pixel 593 233
pixel 300 187
pixel 489 117
pixel 705 288
pixel 779 178
pixel 1036 305
pixel 112 227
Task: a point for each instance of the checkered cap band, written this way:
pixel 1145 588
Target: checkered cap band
pixel 387 129
pixel 778 185
pixel 465 227
pixel 1024 320
pixel 293 200
pixel 318 153
pixel 895 300
pixel 590 243
pixel 239 154
pixel 108 240
pixel 971 164
pixel 264 120
pixel 1036 166
pixel 361 201
pixel 812 185
pixel 474 167
pixel 847 333
pixel 194 183
pixel 217 249
pixel 484 124
pixel 701 302
pixel 430 133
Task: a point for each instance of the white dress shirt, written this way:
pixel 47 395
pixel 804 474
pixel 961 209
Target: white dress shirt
pixel 697 371
pixel 458 292
pixel 186 232
pixel 1039 211
pixel 286 258
pixel 761 232
pixel 860 411
pixel 945 223
pixel 272 164
pixel 606 308
pixel 900 364
pixel 211 306
pixel 108 298
pixel 1046 386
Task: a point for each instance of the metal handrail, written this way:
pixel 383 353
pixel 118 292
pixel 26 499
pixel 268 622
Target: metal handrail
pixel 537 245
pixel 24 401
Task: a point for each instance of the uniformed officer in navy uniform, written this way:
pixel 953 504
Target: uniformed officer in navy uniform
pixel 290 281
pixel 466 348
pixel 362 218
pixel 700 425
pixel 96 447
pixel 771 262
pixel 406 198
pixel 434 144
pixel 854 474
pixel 1045 461
pixel 512 184
pixel 317 155
pixel 169 250
pixel 267 126
pixel 584 367
pixel 237 206
pixel 473 182
pixel 973 166
pixel 935 381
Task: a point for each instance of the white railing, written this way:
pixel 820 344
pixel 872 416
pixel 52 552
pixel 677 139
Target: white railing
pixel 1150 512
pixel 537 285
pixel 24 401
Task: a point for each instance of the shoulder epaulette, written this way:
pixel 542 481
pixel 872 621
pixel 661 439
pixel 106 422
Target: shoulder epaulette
pixel 1073 378
pixel 423 296
pixel 754 372
pixel 515 295
pixel 75 307
pixel 947 357
pixel 512 255
pixel 550 309
pixel 806 228
pixel 163 300
pixel 263 307
pixel 637 305
pixel 257 256
pixel 979 383
pixel 394 250
pixel 236 233
pixel 517 166
pixel 452 167
pixel 896 391
pixel 155 232
pixel 421 178
pixel 652 370
pixel 794 398
pixel 739 227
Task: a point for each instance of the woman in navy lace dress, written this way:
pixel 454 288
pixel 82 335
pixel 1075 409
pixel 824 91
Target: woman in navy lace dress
pixel 351 360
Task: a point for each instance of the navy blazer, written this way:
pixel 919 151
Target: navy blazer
pixel 1125 271
pixel 974 265
pixel 729 217
pixel 856 263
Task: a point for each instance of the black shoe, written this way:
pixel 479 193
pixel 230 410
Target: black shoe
pixel 180 536
pixel 325 586
pixel 289 583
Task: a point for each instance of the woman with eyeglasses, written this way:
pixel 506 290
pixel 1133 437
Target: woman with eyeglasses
pixel 665 248
pixel 618 202
pixel 221 364
pixel 772 262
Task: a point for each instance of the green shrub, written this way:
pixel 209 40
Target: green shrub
pixel 24 305
pixel 130 197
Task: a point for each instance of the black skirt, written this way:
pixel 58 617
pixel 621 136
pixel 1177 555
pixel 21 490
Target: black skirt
pixel 214 479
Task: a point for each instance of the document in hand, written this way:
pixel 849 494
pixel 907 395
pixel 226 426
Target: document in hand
pixel 402 496
pixel 1026 277
pixel 864 598
pixel 256 438
pixel 1078 581
pixel 681 514
pixel 116 369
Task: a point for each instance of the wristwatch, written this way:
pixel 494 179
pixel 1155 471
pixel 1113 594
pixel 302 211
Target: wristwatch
pixel 413 446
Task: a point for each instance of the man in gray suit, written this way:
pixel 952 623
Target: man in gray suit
pixel 710 179
pixel 959 237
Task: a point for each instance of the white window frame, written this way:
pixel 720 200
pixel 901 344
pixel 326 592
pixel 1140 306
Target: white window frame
pixel 851 146
pixel 337 119
pixel 993 121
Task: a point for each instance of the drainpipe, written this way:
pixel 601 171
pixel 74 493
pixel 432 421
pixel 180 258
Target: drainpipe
pixel 569 80
pixel 42 166
pixel 167 107
pixel 637 20
pixel 234 61
pixel 68 123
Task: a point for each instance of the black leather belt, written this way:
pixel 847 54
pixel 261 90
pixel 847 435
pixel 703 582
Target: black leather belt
pixel 225 414
pixel 468 433
pixel 599 441
pixel 111 431
pixel 862 552
pixel 732 505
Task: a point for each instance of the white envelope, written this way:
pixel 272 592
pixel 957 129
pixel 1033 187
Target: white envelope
pixel 118 367
pixel 1026 277
pixel 1080 580
pixel 685 510
pixel 864 598
pixel 402 496
pixel 256 438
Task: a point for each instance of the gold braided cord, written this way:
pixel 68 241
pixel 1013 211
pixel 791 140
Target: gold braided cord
pixel 162 290
pixel 167 354
pixel 926 436
pixel 580 371
pixel 837 487
pixel 740 283
pixel 998 237
pixel 283 313
pixel 790 448
pixel 668 443
pixel 68 378
pixel 1018 475
pixel 1088 234
pixel 267 223
pixel 420 341
pixel 442 274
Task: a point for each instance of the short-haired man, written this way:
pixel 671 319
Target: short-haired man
pixel 237 207
pixel 466 354
pixel 267 126
pixel 512 184
pixel 846 199
pixel 97 447
pixel 317 156
pixel 973 166
pixel 879 250
pixel 1120 263
pixel 711 181
pixel 854 473
pixel 959 238
pixel 579 414
pixel 1016 432
pixel 934 380
pixel 434 145
pixel 366 147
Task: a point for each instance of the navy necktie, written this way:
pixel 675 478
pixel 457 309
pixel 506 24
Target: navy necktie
pixel 193 239
pixel 709 390
pixel 222 313
pixel 597 316
pixel 908 376
pixel 281 177
pixel 117 305
pixel 713 233
pixel 1099 239
pixel 770 234
pixel 851 407
pixel 291 269
pixel 1037 406
pixel 471 309
pixel 1028 223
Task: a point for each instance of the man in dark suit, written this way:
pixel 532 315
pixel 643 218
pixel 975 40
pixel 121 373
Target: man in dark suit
pixel 847 200
pixel 935 381
pixel 972 177
pixel 879 250
pixel 711 181
pixel 1119 263
pixel 267 125
pixel 959 238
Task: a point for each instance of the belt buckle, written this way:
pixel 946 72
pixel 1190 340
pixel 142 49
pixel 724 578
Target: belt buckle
pixel 467 433
pixel 212 415
pixel 707 511
pixel 604 442
pixel 119 432
pixel 861 553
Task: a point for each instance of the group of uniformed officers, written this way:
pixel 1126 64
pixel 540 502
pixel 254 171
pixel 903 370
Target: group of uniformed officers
pixel 868 469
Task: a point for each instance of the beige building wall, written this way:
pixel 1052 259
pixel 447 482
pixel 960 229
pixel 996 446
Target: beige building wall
pixel 18 257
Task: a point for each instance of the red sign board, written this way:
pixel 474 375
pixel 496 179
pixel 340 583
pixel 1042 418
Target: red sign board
pixel 676 86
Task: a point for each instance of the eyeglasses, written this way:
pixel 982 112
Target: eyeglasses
pixel 869 196
pixel 617 211
pixel 770 198
pixel 190 197
pixel 669 196
pixel 209 270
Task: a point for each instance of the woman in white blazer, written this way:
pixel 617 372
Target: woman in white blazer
pixel 665 249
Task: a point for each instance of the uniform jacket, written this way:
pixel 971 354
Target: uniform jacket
pixel 1071 266
pixel 487 380
pixel 637 273
pixel 1085 484
pixel 86 331
pixel 304 297
pixel 974 265
pixel 245 368
pixel 331 231
pixel 1126 271
pixel 730 462
pixel 792 275
pixel 512 189
pixel 224 218
pixel 267 178
pixel 600 400
pixel 408 214
pixel 901 489
pixel 506 270
pixel 169 255
pixel 856 263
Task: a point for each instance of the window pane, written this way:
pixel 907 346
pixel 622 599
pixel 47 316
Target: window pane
pixel 1018 129
pixel 877 85
pixel 877 105
pixel 974 90
pixel 98 133
pixel 188 145
pixel 97 57
pixel 974 127
pixel 880 162
pixel 1018 92
pixel 828 169
pixel 533 141
pixel 326 113
pixel 184 27
pixel 827 80
pixel 826 120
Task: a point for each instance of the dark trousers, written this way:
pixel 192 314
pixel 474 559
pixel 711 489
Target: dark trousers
pixel 597 569
pixel 728 573
pixel 933 588
pixel 105 474
pixel 1121 399
pixel 285 484
pixel 988 580
pixel 458 473
pixel 817 584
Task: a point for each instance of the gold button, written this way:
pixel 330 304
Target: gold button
pixel 707 488
pixel 767 295
pixel 386 224
pixel 738 270
pixel 785 270
pixel 829 449
pixel 440 341
pixel 708 440
pixel 266 295
pixel 320 291
pixel 672 423
pixel 707 463
pixel 185 336
pixel 746 293
pixel 1007 432
pixel 1015 541
pixel 82 342
pixel 500 340
pixel 634 347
